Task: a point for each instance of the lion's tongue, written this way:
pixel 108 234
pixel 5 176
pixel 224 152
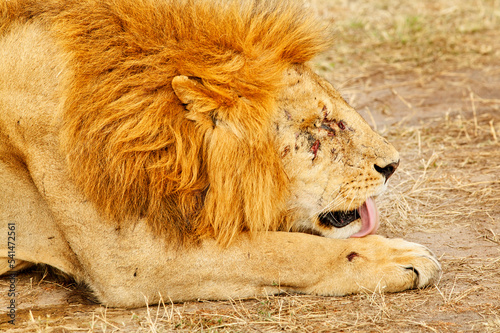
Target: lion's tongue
pixel 369 218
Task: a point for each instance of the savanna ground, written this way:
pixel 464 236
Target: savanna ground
pixel 426 74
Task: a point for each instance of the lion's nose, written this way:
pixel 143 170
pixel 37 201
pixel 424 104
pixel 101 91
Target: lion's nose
pixel 387 170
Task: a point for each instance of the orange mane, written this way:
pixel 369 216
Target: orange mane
pixel 132 146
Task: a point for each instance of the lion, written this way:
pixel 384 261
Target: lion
pixel 185 149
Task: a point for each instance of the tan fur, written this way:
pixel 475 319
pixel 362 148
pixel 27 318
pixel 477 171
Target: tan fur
pixel 141 131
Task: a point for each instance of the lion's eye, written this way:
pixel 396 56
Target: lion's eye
pixel 328 128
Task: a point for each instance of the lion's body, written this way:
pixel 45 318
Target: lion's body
pixel 169 147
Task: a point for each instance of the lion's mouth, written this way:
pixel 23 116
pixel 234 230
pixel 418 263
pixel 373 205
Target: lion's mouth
pixel 338 219
pixel 367 212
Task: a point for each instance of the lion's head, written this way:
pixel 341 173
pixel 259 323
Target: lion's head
pixel 333 162
pixel 202 119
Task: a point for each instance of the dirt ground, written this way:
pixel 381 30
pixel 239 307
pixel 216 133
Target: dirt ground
pixel 427 76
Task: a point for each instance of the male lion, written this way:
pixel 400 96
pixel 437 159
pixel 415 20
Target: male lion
pixel 184 148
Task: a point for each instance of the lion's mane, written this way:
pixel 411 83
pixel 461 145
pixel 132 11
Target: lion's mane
pixel 131 145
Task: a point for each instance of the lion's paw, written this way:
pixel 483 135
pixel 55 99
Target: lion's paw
pixel 374 263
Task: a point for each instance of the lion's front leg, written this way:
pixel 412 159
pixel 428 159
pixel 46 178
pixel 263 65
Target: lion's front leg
pixel 316 265
pixel 274 262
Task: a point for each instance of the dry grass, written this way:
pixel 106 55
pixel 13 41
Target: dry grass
pixel 425 74
pixel 450 173
pixel 410 36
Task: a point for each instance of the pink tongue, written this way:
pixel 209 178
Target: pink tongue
pixel 369 218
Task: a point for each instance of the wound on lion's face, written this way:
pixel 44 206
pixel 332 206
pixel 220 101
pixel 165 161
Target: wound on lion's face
pixel 315 148
pixel 341 125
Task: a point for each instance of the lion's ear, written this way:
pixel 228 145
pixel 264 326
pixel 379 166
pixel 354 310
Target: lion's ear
pixel 193 94
pixel 196 97
pixel 187 90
